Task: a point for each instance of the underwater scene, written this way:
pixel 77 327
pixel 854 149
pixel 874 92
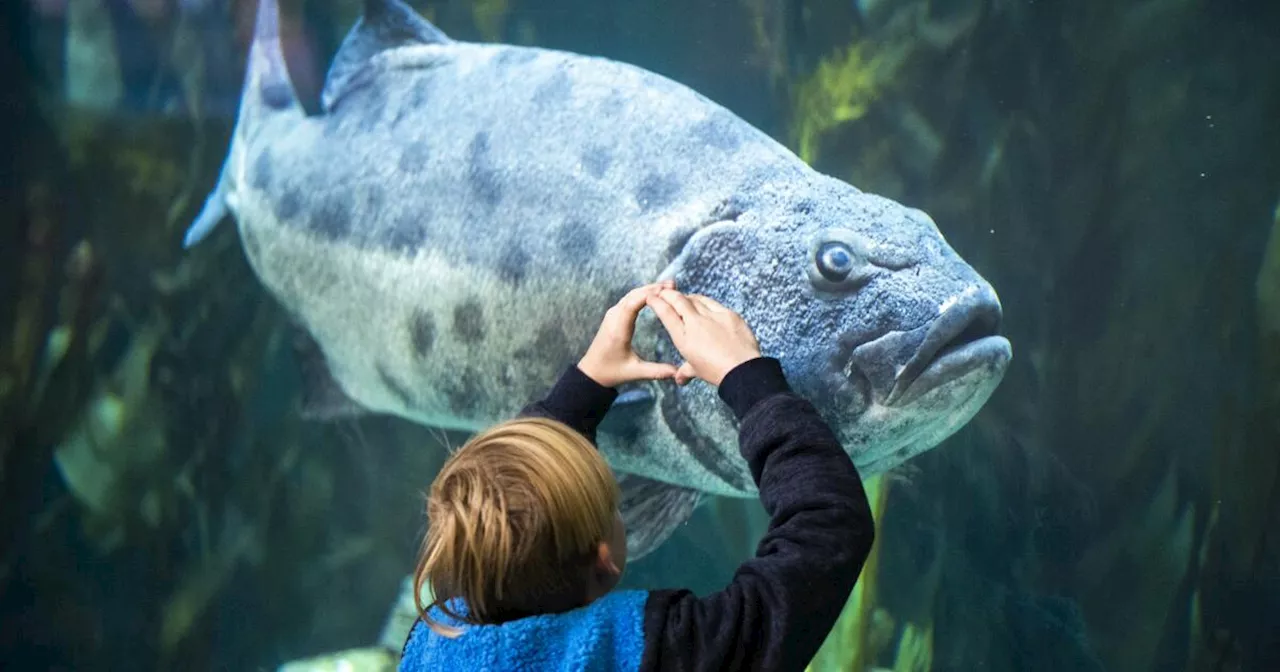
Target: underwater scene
pixel 267 262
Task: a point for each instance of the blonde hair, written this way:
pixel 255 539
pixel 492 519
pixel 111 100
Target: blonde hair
pixel 514 519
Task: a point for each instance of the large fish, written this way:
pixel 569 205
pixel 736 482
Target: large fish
pixel 451 226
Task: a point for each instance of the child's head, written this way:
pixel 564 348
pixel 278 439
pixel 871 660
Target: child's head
pixel 523 520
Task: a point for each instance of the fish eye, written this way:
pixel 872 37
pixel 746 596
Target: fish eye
pixel 835 261
pixel 838 261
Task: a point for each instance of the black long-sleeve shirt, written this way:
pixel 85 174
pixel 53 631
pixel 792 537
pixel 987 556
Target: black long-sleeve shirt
pixel 781 604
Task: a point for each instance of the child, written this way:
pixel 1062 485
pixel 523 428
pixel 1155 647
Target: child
pixel 525 542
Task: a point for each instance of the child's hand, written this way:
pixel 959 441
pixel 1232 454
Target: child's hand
pixel 712 338
pixel 610 361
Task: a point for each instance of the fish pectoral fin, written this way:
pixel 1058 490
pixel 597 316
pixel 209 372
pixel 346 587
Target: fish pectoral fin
pixel 213 212
pixel 634 396
pixel 385 24
pixel 626 414
pixel 322 397
pixel 652 510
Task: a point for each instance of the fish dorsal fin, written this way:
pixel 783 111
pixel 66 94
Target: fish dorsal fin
pixel 386 24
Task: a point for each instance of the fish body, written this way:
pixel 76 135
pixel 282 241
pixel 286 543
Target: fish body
pixel 452 225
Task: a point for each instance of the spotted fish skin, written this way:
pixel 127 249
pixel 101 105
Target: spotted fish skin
pixel 453 224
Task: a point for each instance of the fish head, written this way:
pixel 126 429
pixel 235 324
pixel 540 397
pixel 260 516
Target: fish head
pixel 877 321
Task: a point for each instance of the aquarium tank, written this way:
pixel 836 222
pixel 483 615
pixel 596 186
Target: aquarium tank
pixel 267 262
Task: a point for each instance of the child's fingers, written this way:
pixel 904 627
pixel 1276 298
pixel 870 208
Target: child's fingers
pixel 634 300
pixel 651 370
pixel 707 304
pixel 685 373
pixel 667 315
pixel 630 305
pixel 679 302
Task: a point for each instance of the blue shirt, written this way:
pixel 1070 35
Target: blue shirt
pixel 607 634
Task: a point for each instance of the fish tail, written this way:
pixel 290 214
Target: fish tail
pixel 267 92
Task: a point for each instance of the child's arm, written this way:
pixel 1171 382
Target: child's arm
pixel 577 401
pixel 781 604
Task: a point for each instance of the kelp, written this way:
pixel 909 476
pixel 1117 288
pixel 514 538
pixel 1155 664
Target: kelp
pixel 862 630
pixel 839 92
pixel 1268 302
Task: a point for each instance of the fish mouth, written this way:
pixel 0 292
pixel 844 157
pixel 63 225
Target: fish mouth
pixel 963 339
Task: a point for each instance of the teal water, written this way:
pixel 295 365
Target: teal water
pixel 1112 169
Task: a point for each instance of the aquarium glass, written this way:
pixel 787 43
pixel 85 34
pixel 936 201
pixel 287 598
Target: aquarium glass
pixel 267 262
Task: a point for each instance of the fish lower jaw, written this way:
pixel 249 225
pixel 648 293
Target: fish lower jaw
pixel 925 439
pixel 988 357
pixel 940 423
